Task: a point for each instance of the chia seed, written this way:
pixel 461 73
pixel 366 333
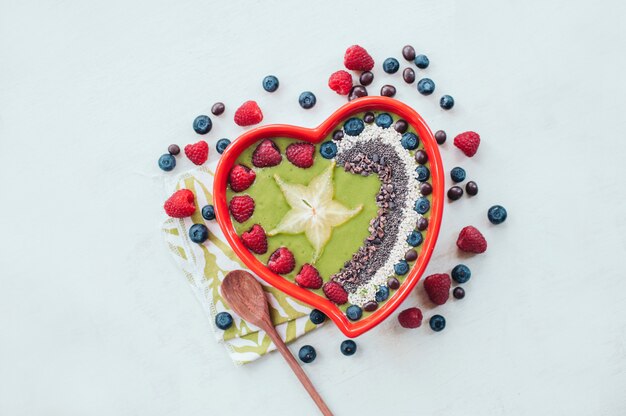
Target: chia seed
pixel 379 158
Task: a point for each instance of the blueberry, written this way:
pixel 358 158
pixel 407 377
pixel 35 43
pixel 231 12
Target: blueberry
pixel 354 312
pixel 198 233
pixel 426 86
pixel 384 120
pixel 410 141
pixel 457 174
pixel 422 173
pixel 354 126
pixel 307 100
pixel 437 323
pixel 348 347
pixel 208 212
pixel 446 102
pixel 221 145
pixel 461 273
pixel 167 162
pixel 317 317
pixel 422 205
pixel 401 268
pixel 496 214
pixel 415 238
pixel 202 124
pixel 270 83
pixel 391 65
pixel 307 354
pixel 382 293
pixel 422 61
pixel 223 320
pixel 458 293
pixel 328 150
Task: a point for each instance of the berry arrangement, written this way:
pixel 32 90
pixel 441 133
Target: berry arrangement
pixel 302 155
pixel 366 145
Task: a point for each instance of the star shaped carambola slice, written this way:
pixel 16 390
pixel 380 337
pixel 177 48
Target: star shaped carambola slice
pixel 313 210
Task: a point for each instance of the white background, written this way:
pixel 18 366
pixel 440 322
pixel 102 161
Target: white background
pixel 95 319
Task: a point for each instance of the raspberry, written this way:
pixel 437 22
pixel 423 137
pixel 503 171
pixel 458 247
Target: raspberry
pixel 255 239
pixel 357 58
pixel 301 154
pixel 266 154
pixel 198 153
pixel 437 287
pixel 248 114
pixel 335 293
pixel 180 204
pixel 471 240
pixel 340 82
pixel 410 318
pixel 281 261
pixel 468 142
pixel 309 277
pixel 240 178
pixel 241 207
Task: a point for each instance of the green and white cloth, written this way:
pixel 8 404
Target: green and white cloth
pixel 205 266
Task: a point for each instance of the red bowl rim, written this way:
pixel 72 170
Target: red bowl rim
pixel 315 135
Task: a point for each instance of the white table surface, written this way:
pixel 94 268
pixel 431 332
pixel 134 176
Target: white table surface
pixel 95 319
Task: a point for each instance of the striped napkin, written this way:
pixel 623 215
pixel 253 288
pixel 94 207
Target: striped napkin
pixel 205 266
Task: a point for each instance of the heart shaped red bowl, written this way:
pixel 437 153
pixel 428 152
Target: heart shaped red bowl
pixel 315 135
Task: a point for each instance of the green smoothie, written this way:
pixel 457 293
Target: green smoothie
pixel 270 207
pixel 350 190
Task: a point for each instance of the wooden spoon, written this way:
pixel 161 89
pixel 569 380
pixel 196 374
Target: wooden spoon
pixel 245 295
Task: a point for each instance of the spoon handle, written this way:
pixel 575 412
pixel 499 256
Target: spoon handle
pixel 304 379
